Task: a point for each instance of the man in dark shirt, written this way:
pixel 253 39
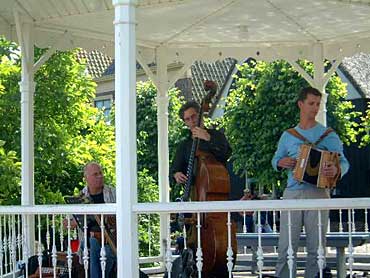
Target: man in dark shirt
pixel 211 140
pixel 98 193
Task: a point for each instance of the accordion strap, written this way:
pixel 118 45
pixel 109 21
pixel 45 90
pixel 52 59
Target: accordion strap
pixel 295 133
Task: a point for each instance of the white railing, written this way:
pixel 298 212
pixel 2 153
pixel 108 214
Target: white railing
pixel 14 221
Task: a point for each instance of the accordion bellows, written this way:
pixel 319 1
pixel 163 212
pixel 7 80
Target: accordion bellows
pixel 310 164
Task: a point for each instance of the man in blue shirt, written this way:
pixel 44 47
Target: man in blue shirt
pixel 285 158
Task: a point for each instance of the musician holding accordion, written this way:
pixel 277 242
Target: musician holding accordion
pixel 313 156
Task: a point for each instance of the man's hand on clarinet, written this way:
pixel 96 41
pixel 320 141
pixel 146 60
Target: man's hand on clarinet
pixel 287 162
pixel 180 177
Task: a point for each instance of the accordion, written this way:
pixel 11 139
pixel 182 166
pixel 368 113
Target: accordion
pixel 310 163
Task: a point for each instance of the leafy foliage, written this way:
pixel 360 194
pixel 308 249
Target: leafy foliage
pixel 364 129
pixel 76 132
pixel 9 49
pixel 10 176
pixel 147 135
pixel 9 104
pixel 147 148
pixel 263 105
pixel 148 224
pixel 69 132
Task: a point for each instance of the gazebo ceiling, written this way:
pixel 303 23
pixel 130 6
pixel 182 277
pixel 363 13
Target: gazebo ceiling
pixel 266 29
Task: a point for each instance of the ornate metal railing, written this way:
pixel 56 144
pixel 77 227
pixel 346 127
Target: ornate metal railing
pixel 57 240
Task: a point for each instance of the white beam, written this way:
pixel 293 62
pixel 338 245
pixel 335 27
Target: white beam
pixel 27 89
pixel 333 68
pixel 319 80
pixel 51 51
pixel 147 70
pixel 302 72
pixel 18 28
pixel 163 156
pixel 181 71
pixel 126 160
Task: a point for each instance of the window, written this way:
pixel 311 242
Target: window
pixel 105 105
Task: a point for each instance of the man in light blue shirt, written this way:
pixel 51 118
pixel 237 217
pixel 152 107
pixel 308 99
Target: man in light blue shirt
pixel 285 158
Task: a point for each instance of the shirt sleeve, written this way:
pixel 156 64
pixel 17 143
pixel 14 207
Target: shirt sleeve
pixel 282 151
pixel 333 143
pixel 113 192
pixel 179 162
pixel 218 145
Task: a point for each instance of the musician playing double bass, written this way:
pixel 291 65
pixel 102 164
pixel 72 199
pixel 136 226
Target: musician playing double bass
pixel 211 143
pixel 308 129
pixel 211 140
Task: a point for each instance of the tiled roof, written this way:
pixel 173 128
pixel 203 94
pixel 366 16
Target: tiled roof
pixel 218 71
pixel 357 70
pixel 97 62
pixel 200 71
pixel 110 70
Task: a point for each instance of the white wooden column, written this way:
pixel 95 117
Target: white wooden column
pixel 27 90
pixel 319 81
pixel 126 161
pixel 320 77
pixel 163 152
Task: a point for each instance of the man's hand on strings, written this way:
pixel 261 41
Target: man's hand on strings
pixel 180 177
pixel 287 162
pixel 200 133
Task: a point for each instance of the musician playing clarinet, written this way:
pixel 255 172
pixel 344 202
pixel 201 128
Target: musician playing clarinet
pixel 96 192
pixel 309 131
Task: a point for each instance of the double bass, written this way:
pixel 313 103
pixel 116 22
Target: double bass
pixel 211 182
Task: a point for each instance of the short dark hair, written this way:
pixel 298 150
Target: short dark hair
pixel 190 104
pixel 308 91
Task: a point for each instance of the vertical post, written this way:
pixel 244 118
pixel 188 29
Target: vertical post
pixel 163 157
pixel 126 161
pixel 319 81
pixel 27 89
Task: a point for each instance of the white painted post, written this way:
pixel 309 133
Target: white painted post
pixel 319 80
pixel 27 89
pixel 163 157
pixel 126 161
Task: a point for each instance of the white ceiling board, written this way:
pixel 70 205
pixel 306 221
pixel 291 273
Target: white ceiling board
pixel 265 29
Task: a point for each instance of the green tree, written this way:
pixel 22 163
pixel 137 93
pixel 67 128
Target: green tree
pixel 263 105
pixel 364 129
pixel 148 223
pixel 147 150
pixel 10 175
pixel 69 132
pixel 147 133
